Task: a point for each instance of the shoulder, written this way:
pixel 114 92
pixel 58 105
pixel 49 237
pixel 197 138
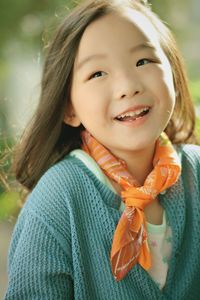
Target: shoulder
pixel 58 183
pixel 62 178
pixel 63 173
pixel 190 160
pixel 190 149
pixel 190 154
pixel 50 200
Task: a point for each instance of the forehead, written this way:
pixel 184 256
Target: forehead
pixel 129 28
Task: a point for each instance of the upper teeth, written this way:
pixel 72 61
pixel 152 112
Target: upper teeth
pixel 133 113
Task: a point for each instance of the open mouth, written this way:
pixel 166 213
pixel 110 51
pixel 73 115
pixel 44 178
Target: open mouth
pixel 133 115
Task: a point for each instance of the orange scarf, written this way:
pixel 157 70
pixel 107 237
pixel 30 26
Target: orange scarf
pixel 130 238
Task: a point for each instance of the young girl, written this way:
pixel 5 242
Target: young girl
pixel 114 204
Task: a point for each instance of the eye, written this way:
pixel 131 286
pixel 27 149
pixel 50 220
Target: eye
pixel 143 61
pixel 97 74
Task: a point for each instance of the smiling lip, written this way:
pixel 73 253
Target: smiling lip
pixel 132 109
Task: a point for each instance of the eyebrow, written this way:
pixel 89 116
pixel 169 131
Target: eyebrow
pixel 101 56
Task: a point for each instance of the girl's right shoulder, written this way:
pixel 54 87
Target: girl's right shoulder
pixel 56 188
pixel 62 176
pixel 49 205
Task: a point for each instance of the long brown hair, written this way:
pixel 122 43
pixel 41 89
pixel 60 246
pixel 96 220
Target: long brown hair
pixel 47 139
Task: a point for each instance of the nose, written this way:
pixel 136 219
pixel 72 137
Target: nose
pixel 127 86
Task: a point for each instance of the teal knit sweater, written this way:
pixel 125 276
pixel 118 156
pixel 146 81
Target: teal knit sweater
pixel 62 240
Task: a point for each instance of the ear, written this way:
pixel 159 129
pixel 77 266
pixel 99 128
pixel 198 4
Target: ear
pixel 70 117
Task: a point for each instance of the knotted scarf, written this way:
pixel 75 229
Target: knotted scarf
pixel 130 244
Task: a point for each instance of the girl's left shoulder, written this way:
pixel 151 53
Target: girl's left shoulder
pixel 190 149
pixel 189 154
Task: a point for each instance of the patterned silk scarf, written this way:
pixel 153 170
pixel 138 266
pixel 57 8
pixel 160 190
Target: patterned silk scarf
pixel 130 238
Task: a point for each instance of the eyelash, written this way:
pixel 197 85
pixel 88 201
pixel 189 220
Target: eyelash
pixel 144 59
pixel 137 65
pixel 93 74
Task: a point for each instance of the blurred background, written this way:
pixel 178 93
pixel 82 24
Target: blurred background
pixel 25 27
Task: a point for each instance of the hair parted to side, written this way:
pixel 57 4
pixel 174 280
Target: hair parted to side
pixel 47 139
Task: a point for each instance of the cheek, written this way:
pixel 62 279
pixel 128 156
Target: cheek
pixel 163 83
pixel 168 78
pixel 89 107
pixel 92 98
pixel 80 100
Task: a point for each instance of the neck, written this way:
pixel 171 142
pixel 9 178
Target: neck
pixel 139 163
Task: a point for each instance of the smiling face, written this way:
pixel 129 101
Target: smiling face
pixel 122 86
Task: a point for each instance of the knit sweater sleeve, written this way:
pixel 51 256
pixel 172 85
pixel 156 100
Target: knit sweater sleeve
pixel 40 260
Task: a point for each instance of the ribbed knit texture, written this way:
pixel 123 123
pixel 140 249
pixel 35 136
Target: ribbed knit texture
pixel 61 243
